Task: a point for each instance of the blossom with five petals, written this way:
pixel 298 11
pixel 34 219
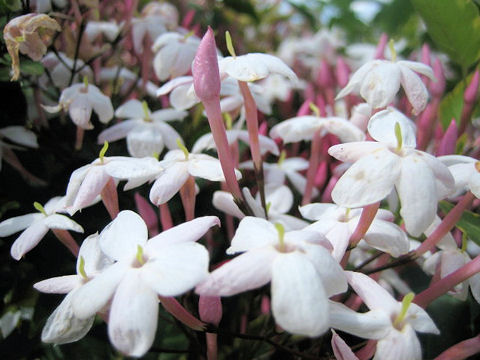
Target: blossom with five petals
pixel 392 162
pixel 168 264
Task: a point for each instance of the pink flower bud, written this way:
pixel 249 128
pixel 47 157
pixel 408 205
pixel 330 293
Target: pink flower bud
pixel 304 108
pixel 472 89
pixel 206 76
pixel 265 305
pixel 449 140
pixel 382 44
pixel 210 309
pixel 147 213
pixel 342 72
pixel 426 54
pixel 437 88
pixel 325 77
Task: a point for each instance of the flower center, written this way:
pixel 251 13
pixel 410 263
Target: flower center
pixel 407 300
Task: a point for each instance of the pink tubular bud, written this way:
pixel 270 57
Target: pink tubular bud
pixel 304 108
pixel 342 72
pixel 325 77
pixel 188 18
pixel 472 89
pixel 147 213
pixel 382 44
pixel 206 76
pixel 426 54
pixel 449 140
pixel 437 88
pixel 210 309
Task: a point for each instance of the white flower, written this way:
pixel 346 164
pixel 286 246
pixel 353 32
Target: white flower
pixel 338 223
pixel 378 81
pixel 390 322
pixel 174 54
pixel 62 325
pixel 465 171
pixel 36 225
pixel 146 132
pixel 420 179
pixel 125 78
pixel 302 272
pixel 80 100
pixel 168 264
pixel 60 68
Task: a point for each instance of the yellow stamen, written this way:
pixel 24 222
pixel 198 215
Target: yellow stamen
pixel 187 35
pixel 407 300
pixel 230 48
pixel 269 205
pixel 102 152
pixel 183 148
pixel 139 255
pixel 228 121
pixel 315 109
pixel 464 242
pixel 85 82
pixel 398 135
pixel 282 157
pixel 39 208
pixel 281 236
pixel 392 50
pixel 146 111
pixel 156 155
pixel 81 268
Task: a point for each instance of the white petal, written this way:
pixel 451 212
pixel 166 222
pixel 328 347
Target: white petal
pixel 95 294
pixel 315 211
pixel 183 97
pixel 223 201
pixel 341 350
pixel 280 198
pixel 133 316
pixel 374 324
pixel 382 128
pixel 94 260
pixel 307 314
pixel 445 182
pixel 343 129
pixel 92 185
pixel 189 231
pixel 387 237
pixel 145 140
pixel 399 345
pixel 57 221
pixel 176 269
pixel 356 80
pixel 63 326
pixel 415 89
pixel 418 67
pixel 74 183
pixel 174 83
pixel 420 320
pixel 28 239
pixel 169 135
pixel 372 294
pixel 18 223
pixel 169 183
pixel 243 68
pixel 20 135
pixel 253 232
pixel 121 238
pixel 381 84
pixel 131 109
pixel 367 181
pixel 353 151
pixel 117 131
pixel 207 168
pixel 129 168
pixel 58 285
pixel 418 215
pixel 296 129
pixel 248 271
pixel 80 111
pixel 101 104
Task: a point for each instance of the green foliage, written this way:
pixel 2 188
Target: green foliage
pixel 454 26
pixel 469 223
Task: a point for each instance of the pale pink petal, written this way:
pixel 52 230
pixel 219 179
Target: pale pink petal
pixel 299 301
pixel 58 285
pixel 18 223
pixel 20 135
pixel 417 67
pixel 117 131
pixel 340 348
pixel 74 183
pixel 353 151
pixel 183 97
pixel 169 183
pixel 28 239
pixel 133 316
pixel 92 185
pixel 414 88
pixel 374 324
pixel 223 201
pixel 367 181
pixel 120 239
pixel 80 111
pixel 94 260
pixel 101 104
pixel 174 83
pixel 176 269
pixel 372 294
pixel 418 215
pixel 253 232
pixel 398 345
pixel 95 294
pixel 189 231
pixel 57 221
pixel 63 326
pixel 248 271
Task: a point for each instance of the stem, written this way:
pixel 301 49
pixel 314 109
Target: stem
pixel 110 198
pixel 67 239
pixel 187 194
pixel 165 217
pixel 462 350
pixel 367 351
pixel 180 313
pixel 312 167
pixel 252 127
pixel 446 225
pixel 366 219
pixel 77 50
pixel 79 138
pixel 448 282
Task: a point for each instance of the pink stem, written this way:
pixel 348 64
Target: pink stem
pixel 367 351
pixel 366 219
pixel 147 213
pixel 312 167
pixel 67 239
pixel 79 138
pixel 110 198
pixel 187 194
pixel 165 217
pixel 446 225
pixel 462 350
pixel 10 157
pixel 180 313
pixel 448 282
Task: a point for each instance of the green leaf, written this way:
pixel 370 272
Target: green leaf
pixel 469 223
pixel 454 26
pixel 31 68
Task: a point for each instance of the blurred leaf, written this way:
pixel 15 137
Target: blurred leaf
pixel 31 68
pixel 393 16
pixel 469 223
pixel 244 7
pixel 454 26
pixel 451 105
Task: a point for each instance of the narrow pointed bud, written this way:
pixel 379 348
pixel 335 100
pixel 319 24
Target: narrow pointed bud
pixel 304 108
pixel 437 88
pixel 342 72
pixel 206 76
pixel 180 313
pixel 382 44
pixel 449 140
pixel 147 213
pixel 325 77
pixel 426 54
pixel 472 89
